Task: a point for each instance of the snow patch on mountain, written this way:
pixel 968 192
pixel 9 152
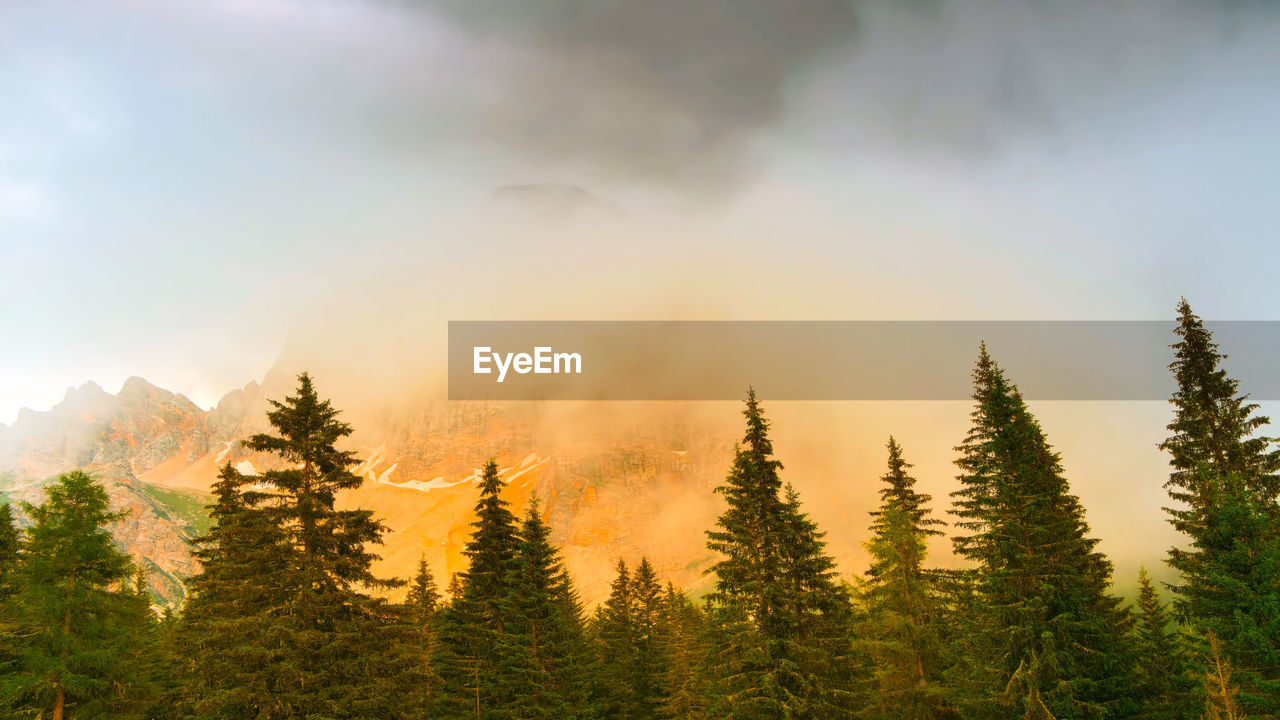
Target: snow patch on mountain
pixel 530 463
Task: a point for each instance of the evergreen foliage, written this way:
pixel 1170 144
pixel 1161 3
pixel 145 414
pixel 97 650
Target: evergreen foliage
pixel 776 609
pixel 545 641
pixel 1050 640
pixel 74 621
pixel 10 547
pixel 685 648
pixel 901 606
pixel 1220 692
pixel 1162 684
pixel 634 644
pixel 472 657
pixel 1225 485
pixel 232 644
pixel 286 620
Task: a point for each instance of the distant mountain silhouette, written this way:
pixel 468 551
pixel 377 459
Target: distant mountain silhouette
pixel 548 201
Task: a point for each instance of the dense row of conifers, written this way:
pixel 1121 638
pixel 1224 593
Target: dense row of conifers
pixel 286 620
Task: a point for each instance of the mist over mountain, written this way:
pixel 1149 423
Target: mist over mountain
pixel 626 490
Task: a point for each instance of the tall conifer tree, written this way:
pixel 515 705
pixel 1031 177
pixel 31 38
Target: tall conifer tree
pixel 547 645
pixel 10 546
pixel 651 660
pixel 320 649
pixel 1050 633
pixel 685 690
pixel 231 644
pixel 900 630
pixel 1162 684
pixel 470 655
pixel 1225 483
pixel 631 631
pixel 73 613
pixel 614 642
pixel 776 606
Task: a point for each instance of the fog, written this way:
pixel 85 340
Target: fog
pixel 197 194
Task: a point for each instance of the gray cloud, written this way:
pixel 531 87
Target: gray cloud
pixel 676 92
pixel 665 90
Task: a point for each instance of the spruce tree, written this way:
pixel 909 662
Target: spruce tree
pixel 72 613
pixel 1161 682
pixel 685 647
pixel 631 637
pixel 776 606
pixel 232 643
pixel 1050 638
pixel 545 642
pixel 614 642
pixel 9 551
pixel 900 627
pixel 338 629
pixel 1225 484
pixel 142 641
pixel 423 595
pixel 651 660
pixel 471 655
pixel 819 611
pixel 411 629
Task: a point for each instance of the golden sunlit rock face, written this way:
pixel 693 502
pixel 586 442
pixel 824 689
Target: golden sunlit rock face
pixel 611 486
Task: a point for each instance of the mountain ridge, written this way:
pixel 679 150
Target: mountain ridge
pixel 639 488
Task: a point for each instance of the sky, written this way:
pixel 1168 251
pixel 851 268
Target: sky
pixel 189 189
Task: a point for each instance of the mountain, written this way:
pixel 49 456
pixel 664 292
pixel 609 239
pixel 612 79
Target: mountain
pixel 613 485
pixel 547 202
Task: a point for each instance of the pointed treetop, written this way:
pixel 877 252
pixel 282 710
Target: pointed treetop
pixel 757 433
pixel 899 494
pixel 8 533
pixel 309 427
pixel 490 482
pixel 423 593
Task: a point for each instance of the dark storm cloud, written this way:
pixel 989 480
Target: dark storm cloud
pixel 664 90
pixel 673 91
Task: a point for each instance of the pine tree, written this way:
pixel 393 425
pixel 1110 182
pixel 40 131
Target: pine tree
pixel 775 605
pixel 231 646
pixel 614 641
pixel 470 655
pixel 414 625
pixel 1161 680
pixel 818 608
pixel 1050 636
pixel 631 638
pixel 10 555
pixel 651 660
pixel 142 641
pixel 1226 486
pixel 338 630
pixel 72 612
pixel 423 595
pixel 685 647
pixel 545 643
pixel 10 547
pixel 901 604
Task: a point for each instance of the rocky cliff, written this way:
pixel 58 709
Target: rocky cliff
pixel 616 486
